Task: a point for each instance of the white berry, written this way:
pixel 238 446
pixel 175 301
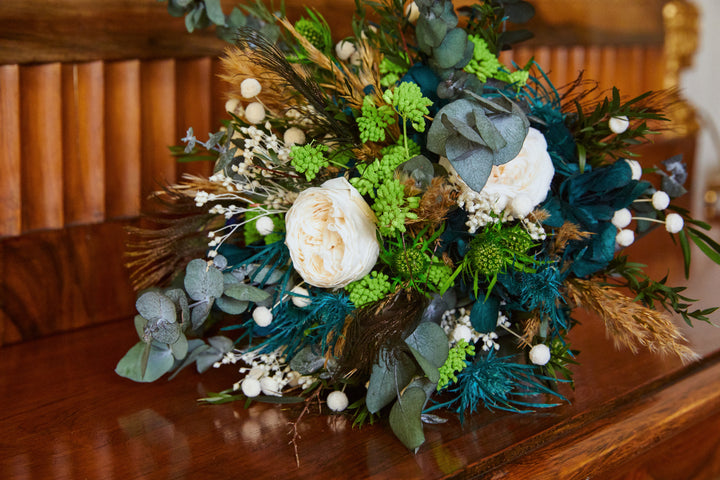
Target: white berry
pixel 250 88
pixel 250 387
pixel 262 316
pixel 337 401
pixel 540 354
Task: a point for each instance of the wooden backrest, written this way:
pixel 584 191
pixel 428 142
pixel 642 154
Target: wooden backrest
pixel 92 92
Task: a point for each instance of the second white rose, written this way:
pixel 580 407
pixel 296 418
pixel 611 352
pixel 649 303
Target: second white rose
pixel 330 233
pixel 522 183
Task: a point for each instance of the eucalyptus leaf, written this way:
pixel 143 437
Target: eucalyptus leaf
pixel 195 348
pixel 179 298
pixel 159 361
pixel 199 313
pixel 140 324
pixel 221 344
pixel 430 340
pixel 452 49
pixel 154 306
pixel 405 417
pixel 419 169
pixel 308 360
pixel 388 377
pixel 180 347
pixel 207 359
pixel 203 281
pixel 246 293
pixel 430 370
pixel 231 306
pixel 165 332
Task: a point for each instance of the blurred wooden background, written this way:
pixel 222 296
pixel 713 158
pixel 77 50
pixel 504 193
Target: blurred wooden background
pixel 92 92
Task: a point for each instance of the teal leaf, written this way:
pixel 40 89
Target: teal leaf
pixel 214 12
pixel 159 361
pixel 484 314
pixel 154 306
pixel 388 377
pixel 246 293
pixel 430 340
pixel 203 281
pixel 405 417
pixel 195 347
pixel 430 33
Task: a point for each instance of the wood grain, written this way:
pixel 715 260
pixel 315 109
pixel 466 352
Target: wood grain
pixel 194 107
pixel 86 422
pixel 41 129
pixel 84 143
pixel 158 125
pixel 58 280
pixel 10 196
pixel 123 149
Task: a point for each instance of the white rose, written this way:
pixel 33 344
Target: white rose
pixel 523 182
pixel 331 235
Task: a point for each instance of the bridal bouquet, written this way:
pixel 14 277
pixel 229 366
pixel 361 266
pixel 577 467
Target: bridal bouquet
pixel 400 225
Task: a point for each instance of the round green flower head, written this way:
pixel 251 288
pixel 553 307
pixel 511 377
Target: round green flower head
pixel 485 257
pixel 410 263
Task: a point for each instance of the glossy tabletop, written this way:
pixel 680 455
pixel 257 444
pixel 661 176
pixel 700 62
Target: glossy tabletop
pixel 65 414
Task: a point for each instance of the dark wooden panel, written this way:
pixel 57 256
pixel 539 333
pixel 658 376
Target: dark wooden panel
pixel 84 30
pixel 194 105
pixel 57 280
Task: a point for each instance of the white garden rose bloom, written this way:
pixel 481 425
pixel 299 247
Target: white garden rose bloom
pixel 523 182
pixel 330 232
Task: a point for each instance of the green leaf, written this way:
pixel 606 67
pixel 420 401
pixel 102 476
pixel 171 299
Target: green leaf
pixel 230 305
pixel 405 418
pixel 159 362
pixel 203 281
pixel 140 324
pixel 685 247
pixel 180 347
pixel 154 306
pixel 452 48
pixel 246 293
pixel 236 18
pixel 388 377
pixel 214 12
pixel 431 371
pixel 704 247
pixel 430 340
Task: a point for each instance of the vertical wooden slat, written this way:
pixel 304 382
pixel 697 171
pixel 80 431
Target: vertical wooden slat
pixel 625 72
pixel 637 59
pixel 122 139
pixel 593 67
pixel 608 67
pixel 194 106
pixel 84 143
pixel 576 62
pixel 10 216
pixel 157 93
pixel 41 150
pixel 559 66
pixel 219 95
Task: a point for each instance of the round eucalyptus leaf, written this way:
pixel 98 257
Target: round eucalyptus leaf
pixel 231 306
pixel 165 332
pixel 203 281
pixel 199 313
pixel 405 417
pixel 154 306
pixel 246 293
pixel 159 361
pixel 180 347
pixel 452 49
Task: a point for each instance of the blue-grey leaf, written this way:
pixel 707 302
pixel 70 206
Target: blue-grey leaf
pixel 452 48
pixel 164 332
pixel 221 344
pixel 405 418
pixel 199 313
pixel 308 360
pixel 230 305
pixel 159 362
pixel 430 340
pixel 202 280
pixel 389 376
pixel 155 306
pixel 246 293
pixel 180 347
pixel 430 370
pixel 473 166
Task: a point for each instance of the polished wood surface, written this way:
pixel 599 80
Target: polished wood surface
pixel 65 414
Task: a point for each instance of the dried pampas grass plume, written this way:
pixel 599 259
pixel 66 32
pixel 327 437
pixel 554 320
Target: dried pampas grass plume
pixel 629 323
